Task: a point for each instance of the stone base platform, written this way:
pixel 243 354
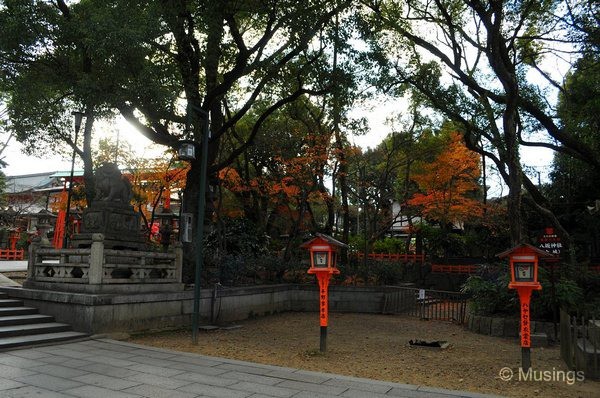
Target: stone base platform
pixel 95 313
pixel 136 310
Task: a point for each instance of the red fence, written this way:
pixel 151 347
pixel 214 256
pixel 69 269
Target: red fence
pixel 11 254
pixel 394 257
pixel 441 268
pixel 454 269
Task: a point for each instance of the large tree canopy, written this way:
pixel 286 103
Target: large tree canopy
pixel 486 65
pixel 166 66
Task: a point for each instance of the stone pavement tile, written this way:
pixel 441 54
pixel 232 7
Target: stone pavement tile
pixel 169 383
pixel 452 393
pixel 318 388
pixel 113 383
pixel 213 391
pixel 10 372
pixel 56 359
pixel 205 370
pixel 197 360
pixel 205 379
pixel 157 392
pixel 130 347
pixel 359 385
pixel 309 377
pixel 404 393
pixel 64 351
pixel 108 370
pixel 48 382
pixel 371 382
pixel 58 371
pixel 247 368
pixel 273 391
pixel 78 346
pixel 152 353
pixel 31 391
pixel 165 363
pixel 18 362
pixel 6 384
pixel 30 354
pixel 253 364
pixel 75 363
pixel 271 381
pixel 98 392
pixel 311 394
pixel 262 396
pixel 355 393
pixel 109 345
pixel 155 370
pixel 121 363
pixel 110 353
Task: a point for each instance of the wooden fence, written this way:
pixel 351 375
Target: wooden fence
pixel 580 344
pixel 426 304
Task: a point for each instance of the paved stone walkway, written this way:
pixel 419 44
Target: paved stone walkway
pixel 12 265
pixel 107 368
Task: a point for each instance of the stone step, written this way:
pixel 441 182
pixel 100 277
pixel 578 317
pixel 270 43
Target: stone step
pixel 24 326
pixel 6 302
pixel 12 311
pixel 25 319
pixel 33 328
pixel 3 295
pixel 19 341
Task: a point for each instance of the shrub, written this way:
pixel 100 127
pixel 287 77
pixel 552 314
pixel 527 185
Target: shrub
pixel 490 294
pixel 389 245
pixel 373 273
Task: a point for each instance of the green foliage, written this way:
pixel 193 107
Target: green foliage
pixel 374 272
pixel 236 236
pixel 565 293
pixel 490 294
pixel 442 243
pixel 239 254
pixel 239 270
pixel 389 245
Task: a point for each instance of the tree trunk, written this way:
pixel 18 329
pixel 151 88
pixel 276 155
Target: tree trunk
pixel 86 156
pixel 501 62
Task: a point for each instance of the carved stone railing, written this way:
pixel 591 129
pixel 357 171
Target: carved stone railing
pixel 99 266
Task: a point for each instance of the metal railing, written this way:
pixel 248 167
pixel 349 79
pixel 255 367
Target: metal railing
pixel 426 304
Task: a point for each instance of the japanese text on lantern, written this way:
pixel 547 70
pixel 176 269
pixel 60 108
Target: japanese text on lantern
pixel 525 328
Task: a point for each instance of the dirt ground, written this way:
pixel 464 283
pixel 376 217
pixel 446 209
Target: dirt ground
pixel 376 347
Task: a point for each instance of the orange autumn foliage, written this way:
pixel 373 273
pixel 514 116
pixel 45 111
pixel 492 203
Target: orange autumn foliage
pixel 447 182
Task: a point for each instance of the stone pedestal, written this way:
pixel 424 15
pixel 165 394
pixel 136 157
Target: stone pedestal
pixel 118 222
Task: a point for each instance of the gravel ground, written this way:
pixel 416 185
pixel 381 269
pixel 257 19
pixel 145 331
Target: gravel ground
pixel 376 347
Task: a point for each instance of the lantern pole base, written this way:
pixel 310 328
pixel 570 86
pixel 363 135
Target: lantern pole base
pixel 525 358
pixel 323 339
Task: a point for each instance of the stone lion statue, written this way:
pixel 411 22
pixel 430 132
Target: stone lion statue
pixel 111 186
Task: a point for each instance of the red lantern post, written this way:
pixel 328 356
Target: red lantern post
pixel 323 259
pixel 524 278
